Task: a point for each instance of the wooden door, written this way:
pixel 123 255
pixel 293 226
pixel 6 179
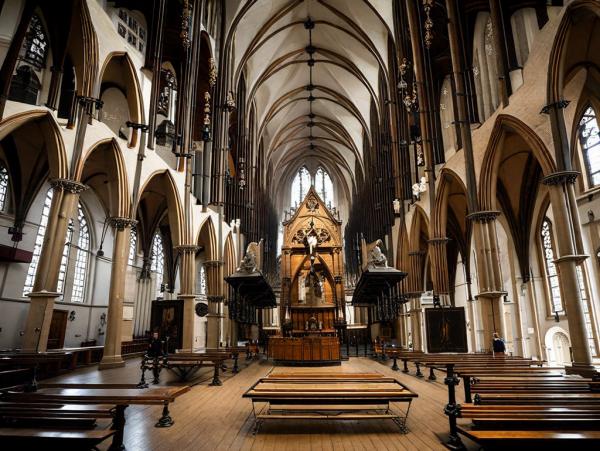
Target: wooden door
pixel 58 327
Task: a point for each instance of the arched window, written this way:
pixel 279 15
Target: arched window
pixel 324 186
pixel 39 240
pixel 158 262
pixel 551 274
pixel 132 247
pixel 82 258
pixel 300 186
pixel 77 232
pixel 35 46
pixel 3 188
pixel 586 310
pixel 589 138
pixel 131 28
pixel 202 280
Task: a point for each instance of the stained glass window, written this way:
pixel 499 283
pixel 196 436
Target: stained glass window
pixel 589 137
pixel 586 311
pixel 64 261
pixel 132 247
pixel 300 186
pixel 202 281
pixel 82 258
pixel 158 261
pixel 551 274
pixel 130 29
pixel 36 43
pixel 3 187
pixel 324 186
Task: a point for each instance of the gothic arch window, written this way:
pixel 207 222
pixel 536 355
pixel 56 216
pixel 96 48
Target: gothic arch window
pixel 485 71
pixel 81 258
pixel 300 186
pixel 585 299
pixel 37 249
pixel 202 281
pixel 35 46
pixel 324 186
pixel 77 238
pixel 158 262
pixel 551 273
pixel 589 138
pixel 132 247
pixel 524 29
pixel 3 188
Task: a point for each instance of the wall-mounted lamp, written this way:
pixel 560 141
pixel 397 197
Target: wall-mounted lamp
pixel 72 315
pixel 100 252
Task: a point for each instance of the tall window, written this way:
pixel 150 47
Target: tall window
pixel 130 28
pixel 77 232
pixel 35 46
pixel 590 139
pixel 3 187
pixel 202 280
pixel 324 186
pixel 300 186
pixel 551 274
pixel 586 311
pixel 37 249
pixel 82 258
pixel 158 261
pixel 132 247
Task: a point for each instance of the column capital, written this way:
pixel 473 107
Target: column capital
pixel 561 178
pixel 558 105
pixel 483 216
pixel 571 258
pixel 490 294
pixel 121 223
pixel 186 248
pixel 213 263
pixel 215 298
pixel 417 253
pixel 338 279
pixel 70 186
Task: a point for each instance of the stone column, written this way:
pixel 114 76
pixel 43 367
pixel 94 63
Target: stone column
pixel 112 344
pixel 64 200
pixel 187 285
pixel 416 318
pixel 439 268
pixel 489 275
pixel 570 255
pixel 54 88
pixel 215 298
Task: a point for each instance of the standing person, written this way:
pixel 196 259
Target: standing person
pixel 498 346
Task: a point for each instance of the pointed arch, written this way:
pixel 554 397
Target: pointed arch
pixel 207 238
pixel 509 124
pixel 102 167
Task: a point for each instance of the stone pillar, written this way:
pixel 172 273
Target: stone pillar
pixel 439 268
pixel 416 318
pixel 112 344
pixel 64 200
pixel 215 298
pixel 489 275
pixel 570 255
pixel 187 285
pixel 54 88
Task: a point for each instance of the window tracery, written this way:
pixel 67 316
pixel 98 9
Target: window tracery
pixel 589 137
pixel 3 188
pixel 551 273
pixel 158 262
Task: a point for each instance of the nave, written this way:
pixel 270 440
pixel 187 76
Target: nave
pixel 217 418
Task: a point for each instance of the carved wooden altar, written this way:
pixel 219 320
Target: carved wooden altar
pixel 312 289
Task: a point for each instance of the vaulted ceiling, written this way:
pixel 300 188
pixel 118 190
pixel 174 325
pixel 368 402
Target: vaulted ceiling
pixel 312 70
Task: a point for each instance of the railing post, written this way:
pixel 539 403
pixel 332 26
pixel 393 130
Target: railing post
pixel 452 409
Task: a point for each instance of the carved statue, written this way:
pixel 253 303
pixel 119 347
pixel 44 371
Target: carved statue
pixel 376 258
pixel 248 263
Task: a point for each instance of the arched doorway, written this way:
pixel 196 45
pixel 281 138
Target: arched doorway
pixel 558 346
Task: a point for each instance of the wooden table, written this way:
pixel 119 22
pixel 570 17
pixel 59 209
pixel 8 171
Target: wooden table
pixel 339 397
pixel 120 397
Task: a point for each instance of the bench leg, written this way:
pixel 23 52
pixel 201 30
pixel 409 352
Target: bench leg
pixel 395 365
pixel 119 426
pixel 405 370
pixel 418 374
pixel 467 382
pixel 142 383
pixel 236 368
pixel 165 420
pixel 452 409
pixel 431 375
pixel 216 381
pixel 401 421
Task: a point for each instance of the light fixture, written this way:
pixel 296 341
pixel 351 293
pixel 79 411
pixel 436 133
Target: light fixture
pixel 100 252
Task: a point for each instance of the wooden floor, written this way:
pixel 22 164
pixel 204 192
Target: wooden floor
pixel 218 418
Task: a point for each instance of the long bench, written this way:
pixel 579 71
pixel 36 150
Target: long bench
pixel 320 396
pixel 63 439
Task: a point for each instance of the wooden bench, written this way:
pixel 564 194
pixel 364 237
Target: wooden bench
pixel 304 396
pixel 184 365
pixel 528 440
pixel 65 440
pixel 120 398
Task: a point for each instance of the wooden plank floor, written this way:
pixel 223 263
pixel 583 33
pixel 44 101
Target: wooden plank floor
pixel 218 418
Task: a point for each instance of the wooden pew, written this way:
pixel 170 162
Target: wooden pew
pixel 528 440
pixel 65 440
pixel 328 396
pixel 120 398
pixel 186 364
pixel 234 352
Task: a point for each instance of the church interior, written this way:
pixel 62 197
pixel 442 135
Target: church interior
pixel 299 224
